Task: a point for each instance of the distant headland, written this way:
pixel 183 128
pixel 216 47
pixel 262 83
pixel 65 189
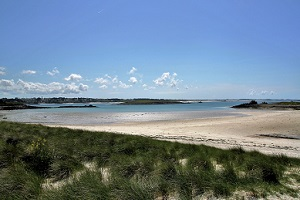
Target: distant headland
pixel 273 106
pixel 29 103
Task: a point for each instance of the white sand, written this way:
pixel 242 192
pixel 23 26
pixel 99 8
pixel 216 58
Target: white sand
pixel 223 132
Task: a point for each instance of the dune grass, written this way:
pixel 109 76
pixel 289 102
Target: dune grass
pixel 38 162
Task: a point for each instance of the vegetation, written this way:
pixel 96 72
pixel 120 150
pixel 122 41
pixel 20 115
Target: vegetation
pixel 289 103
pixel 14 106
pixel 38 162
pixel 275 106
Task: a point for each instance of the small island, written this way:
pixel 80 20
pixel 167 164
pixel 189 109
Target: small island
pixel 22 105
pixel 17 106
pixel 85 106
pixel 273 106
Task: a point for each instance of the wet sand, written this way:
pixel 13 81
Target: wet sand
pixel 271 132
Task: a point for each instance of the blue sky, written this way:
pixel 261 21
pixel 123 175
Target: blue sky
pixel 155 49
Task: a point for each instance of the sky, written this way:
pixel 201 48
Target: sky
pixel 193 49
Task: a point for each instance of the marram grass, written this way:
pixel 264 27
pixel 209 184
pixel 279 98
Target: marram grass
pixel 38 162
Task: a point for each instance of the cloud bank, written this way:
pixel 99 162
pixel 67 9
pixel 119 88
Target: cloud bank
pixel 111 83
pixel 25 87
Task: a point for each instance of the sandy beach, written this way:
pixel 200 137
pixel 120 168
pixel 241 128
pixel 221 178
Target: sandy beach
pixel 271 132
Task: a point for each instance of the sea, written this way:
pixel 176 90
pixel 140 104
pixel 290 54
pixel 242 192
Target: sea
pixel 109 113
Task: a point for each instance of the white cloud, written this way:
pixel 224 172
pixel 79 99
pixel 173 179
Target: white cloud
pixel 162 79
pixel 71 88
pixel 107 76
pixel 167 79
pixel 83 87
pixel 73 77
pixel 174 82
pixel 264 92
pixel 2 71
pixel 251 92
pixel 108 81
pixel 103 87
pixel 133 80
pixel 21 87
pixel 146 87
pixel 28 72
pixel 123 85
pixel 53 72
pixel 115 79
pixel 6 85
pixel 254 92
pixel 101 81
pixel 133 70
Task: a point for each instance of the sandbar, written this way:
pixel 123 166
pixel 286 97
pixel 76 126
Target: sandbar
pixel 270 132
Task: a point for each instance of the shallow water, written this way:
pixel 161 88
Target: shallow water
pixel 106 113
pixel 81 118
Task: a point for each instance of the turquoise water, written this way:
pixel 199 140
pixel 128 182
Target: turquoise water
pixel 116 107
pixel 107 113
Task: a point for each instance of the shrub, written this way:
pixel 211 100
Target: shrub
pixel 263 170
pixel 39 158
pixel 123 189
pixel 63 168
pixel 200 162
pixel 88 186
pixel 221 189
pixel 252 102
pixel 229 175
pixel 19 183
pixel 10 152
pixel 167 171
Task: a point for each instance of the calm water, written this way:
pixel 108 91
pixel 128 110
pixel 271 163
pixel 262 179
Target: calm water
pixel 113 107
pixel 106 113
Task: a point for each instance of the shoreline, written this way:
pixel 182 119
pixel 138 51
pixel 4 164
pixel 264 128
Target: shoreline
pixel 101 118
pixel 270 132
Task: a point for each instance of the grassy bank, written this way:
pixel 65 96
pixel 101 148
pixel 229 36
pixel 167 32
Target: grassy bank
pixel 273 106
pixel 38 162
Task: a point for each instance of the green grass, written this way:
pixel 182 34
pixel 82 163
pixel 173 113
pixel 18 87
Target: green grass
pixel 130 167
